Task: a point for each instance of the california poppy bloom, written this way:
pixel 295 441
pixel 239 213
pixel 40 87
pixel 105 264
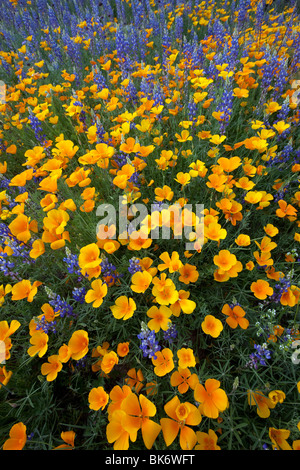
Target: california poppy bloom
pixel 225 260
pixel 243 240
pixel 285 209
pixel 39 341
pixel 163 362
pixel 108 362
pixel 160 318
pixel 78 344
pixel 52 367
pixel 4 375
pixel 116 432
pixel 25 290
pixel 172 263
pixel 140 281
pixel 123 349
pixel 183 304
pixel 116 396
pixel 97 293
pixel 235 316
pixel 64 353
pixel 135 379
pixel 21 226
pixel 207 441
pixel 167 296
pixel 181 417
pixel 98 398
pixel 89 257
pixel 188 273
pixel 184 379
pixel 279 438
pixel 212 326
pixel 214 231
pixel 211 397
pixel 38 248
pixel 186 358
pixel 263 403
pixel 139 410
pixel 17 437
pixel 277 396
pixel 68 437
pixel 124 308
pixel 261 289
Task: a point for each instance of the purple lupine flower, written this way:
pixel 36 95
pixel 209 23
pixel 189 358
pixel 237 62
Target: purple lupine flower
pixel 259 357
pixel 134 266
pixel 171 333
pixel 149 344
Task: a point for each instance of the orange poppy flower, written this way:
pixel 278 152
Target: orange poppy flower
pixel 52 367
pixel 4 375
pixel 183 178
pixel 98 398
pixel 116 432
pixel 97 293
pixel 214 231
pixel 243 240
pixel 225 260
pixel 207 441
pixel 188 273
pixel 160 283
pixel 164 193
pixel 277 396
pixel 123 349
pixel 261 289
pixel 25 290
pixel 186 358
pixel 78 344
pixel 38 248
pixel 184 379
pixel 39 341
pixel 140 281
pixel 108 362
pixel 235 316
pixel 116 396
pixel 160 318
pixel 64 353
pixel 6 331
pixel 135 379
pixel 130 146
pixel 124 307
pixel 229 164
pixel 89 257
pixel 163 362
pixel 17 437
pixel 212 326
pixel 181 417
pixel 21 226
pixel 211 397
pixel 166 296
pixel 279 438
pixel 217 182
pixel 263 259
pixel 146 264
pixel 68 437
pixel 285 209
pixel 291 296
pixel 172 263
pixel 263 403
pixel 266 245
pixel 139 410
pixel 183 304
